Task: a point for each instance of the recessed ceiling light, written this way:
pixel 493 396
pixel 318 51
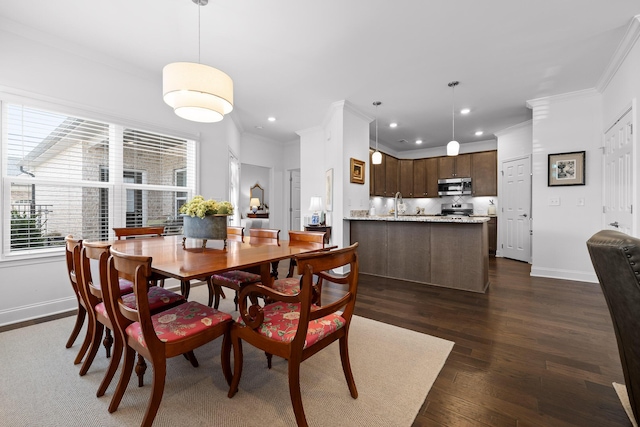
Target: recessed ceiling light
pixel 393 125
pixel 465 111
pixel 478 133
pixel 272 119
pixel 418 141
pixel 258 127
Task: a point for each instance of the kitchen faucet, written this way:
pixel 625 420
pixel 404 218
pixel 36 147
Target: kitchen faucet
pixel 395 204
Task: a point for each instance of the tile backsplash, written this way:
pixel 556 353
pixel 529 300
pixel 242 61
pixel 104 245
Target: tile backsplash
pixel 382 205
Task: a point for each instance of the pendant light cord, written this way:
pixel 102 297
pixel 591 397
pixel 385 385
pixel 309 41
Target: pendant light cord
pixel 376 128
pixel 453 113
pixel 199 35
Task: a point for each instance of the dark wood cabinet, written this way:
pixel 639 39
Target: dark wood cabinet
pixel 454 166
pixel 378 178
pixel 425 177
pixel 484 173
pixel 406 168
pixel 391 175
pixel 492 230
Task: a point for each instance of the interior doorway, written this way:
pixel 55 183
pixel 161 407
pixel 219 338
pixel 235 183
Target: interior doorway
pixel 618 183
pixel 515 216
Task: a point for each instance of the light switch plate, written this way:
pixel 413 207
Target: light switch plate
pixel 554 201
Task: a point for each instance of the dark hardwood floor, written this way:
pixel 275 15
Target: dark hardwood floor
pixel 530 352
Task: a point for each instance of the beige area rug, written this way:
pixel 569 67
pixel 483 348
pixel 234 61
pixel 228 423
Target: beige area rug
pixel 621 390
pixel 394 369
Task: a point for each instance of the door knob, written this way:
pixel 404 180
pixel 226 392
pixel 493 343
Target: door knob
pixel 615 224
pixel 524 215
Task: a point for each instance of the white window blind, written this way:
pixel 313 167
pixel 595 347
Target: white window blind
pixel 69 175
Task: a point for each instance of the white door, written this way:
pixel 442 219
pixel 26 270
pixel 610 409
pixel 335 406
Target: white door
pixel 516 209
pixel 294 208
pixel 618 175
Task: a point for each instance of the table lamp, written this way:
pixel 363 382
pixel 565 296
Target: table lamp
pixel 315 206
pixel 254 203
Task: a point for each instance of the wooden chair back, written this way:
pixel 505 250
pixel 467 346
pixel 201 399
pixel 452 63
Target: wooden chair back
pixel 315 237
pixel 73 271
pixel 235 233
pixel 264 236
pixel 127 232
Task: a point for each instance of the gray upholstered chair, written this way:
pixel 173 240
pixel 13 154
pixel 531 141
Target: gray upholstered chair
pixel 616 260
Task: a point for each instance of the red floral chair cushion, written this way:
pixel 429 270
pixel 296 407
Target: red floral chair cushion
pixel 281 323
pixel 288 286
pixel 126 286
pixel 158 298
pixel 181 321
pixel 237 277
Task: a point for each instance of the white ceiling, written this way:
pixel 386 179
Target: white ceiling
pixel 291 59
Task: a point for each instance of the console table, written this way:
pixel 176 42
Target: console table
pixel 322 228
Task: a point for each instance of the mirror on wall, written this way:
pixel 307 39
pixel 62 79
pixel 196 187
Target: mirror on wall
pixel 257 192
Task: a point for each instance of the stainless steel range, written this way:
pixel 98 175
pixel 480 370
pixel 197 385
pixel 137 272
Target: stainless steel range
pixel 456 209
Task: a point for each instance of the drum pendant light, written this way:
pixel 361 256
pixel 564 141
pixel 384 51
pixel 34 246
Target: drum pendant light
pixel 376 157
pixel 195 91
pixel 453 147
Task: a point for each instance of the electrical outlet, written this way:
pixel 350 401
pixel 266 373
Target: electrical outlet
pixel 554 201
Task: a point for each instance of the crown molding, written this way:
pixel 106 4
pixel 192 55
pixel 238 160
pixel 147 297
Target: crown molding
pixel 626 44
pixel 513 128
pixel 538 102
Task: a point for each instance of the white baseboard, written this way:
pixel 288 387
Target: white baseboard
pixel 35 311
pixel 553 273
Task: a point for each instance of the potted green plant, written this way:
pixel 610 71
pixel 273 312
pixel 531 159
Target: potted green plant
pixel 205 219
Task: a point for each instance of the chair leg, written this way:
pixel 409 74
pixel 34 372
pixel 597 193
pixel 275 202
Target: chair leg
pixel 346 366
pixel 157 389
pixel 125 375
pixel 269 358
pixel 294 392
pixel 113 366
pixel 141 368
pixel 91 324
pixel 77 327
pixel 225 357
pixel 93 350
pixel 237 365
pixel 212 292
pixel 108 342
pixel 191 357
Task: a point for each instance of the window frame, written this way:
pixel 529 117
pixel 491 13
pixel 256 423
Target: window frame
pixel 115 188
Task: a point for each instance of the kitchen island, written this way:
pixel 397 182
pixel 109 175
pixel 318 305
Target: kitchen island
pixel 435 250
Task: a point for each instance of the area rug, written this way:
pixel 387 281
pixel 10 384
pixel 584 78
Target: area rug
pixel 394 369
pixel 621 390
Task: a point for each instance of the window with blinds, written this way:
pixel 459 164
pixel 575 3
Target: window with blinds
pixel 69 175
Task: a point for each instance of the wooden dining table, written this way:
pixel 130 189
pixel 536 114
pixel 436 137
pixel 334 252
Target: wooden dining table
pixel 187 260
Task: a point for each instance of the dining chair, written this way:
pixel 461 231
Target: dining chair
pixel 70 245
pixel 293 327
pixel 100 311
pixel 290 285
pixel 616 260
pixel 143 232
pixel 235 279
pixel 158 337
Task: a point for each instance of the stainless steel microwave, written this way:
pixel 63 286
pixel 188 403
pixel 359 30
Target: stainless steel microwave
pixel 454 186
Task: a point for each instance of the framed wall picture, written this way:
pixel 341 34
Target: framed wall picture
pixel 328 188
pixel 566 169
pixel 357 171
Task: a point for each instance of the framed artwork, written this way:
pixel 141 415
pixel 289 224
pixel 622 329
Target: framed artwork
pixel 566 169
pixel 357 171
pixel 328 188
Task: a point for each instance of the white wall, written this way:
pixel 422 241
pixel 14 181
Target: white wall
pixel 71 79
pixel 571 122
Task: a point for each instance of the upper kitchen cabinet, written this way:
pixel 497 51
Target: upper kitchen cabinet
pixel 391 176
pixel 454 166
pixel 377 173
pixel 406 168
pixel 484 173
pixel 425 177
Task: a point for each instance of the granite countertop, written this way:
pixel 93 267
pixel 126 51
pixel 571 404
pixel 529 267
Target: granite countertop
pixel 421 218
